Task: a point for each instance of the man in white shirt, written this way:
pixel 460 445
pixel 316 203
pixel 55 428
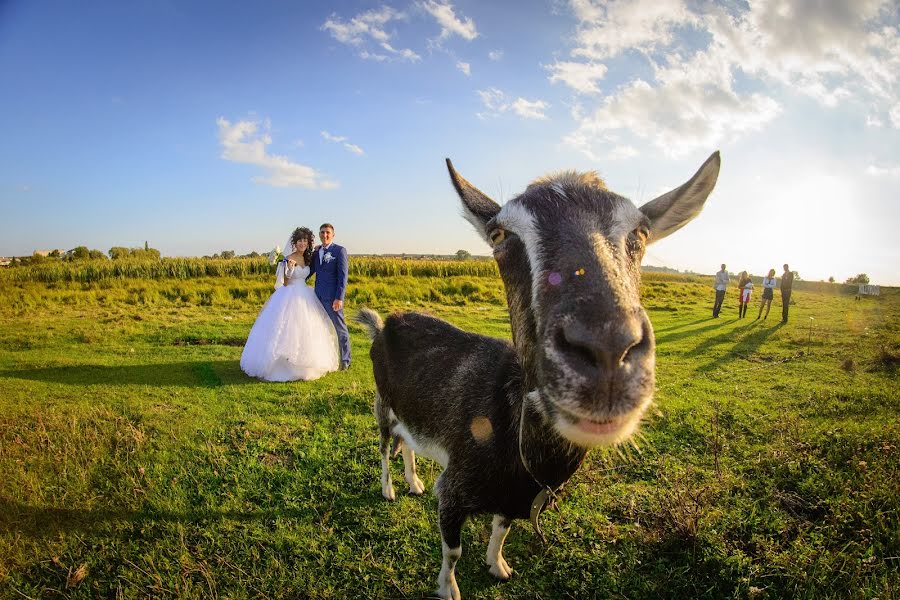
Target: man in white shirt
pixel 721 286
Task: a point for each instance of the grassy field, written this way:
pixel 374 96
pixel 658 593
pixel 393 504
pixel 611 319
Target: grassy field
pixel 136 459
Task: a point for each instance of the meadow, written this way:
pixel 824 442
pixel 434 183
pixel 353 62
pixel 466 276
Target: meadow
pixel 137 460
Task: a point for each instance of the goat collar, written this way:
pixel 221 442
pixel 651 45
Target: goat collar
pixel 546 492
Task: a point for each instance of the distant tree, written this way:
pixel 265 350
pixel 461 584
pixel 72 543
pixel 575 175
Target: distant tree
pixel 861 278
pixel 145 253
pixel 796 276
pixel 146 245
pixel 831 279
pixel 227 254
pixel 253 254
pixel 79 253
pixel 54 254
pixel 96 255
pixel 14 262
pixel 463 255
pixel 118 252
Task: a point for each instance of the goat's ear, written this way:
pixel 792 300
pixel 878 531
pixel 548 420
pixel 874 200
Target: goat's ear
pixel 672 211
pixel 477 207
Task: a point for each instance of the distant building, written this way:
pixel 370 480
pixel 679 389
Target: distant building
pixel 48 252
pixel 5 261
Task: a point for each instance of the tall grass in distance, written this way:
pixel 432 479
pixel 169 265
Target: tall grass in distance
pixel 191 268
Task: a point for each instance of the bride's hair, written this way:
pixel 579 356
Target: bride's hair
pixel 303 233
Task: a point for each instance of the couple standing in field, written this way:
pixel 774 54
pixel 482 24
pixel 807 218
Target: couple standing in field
pixel 294 335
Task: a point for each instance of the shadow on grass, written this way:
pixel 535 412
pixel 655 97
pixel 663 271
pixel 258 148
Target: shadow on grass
pixel 187 374
pixel 678 335
pixel 745 346
pixel 39 521
pixel 681 325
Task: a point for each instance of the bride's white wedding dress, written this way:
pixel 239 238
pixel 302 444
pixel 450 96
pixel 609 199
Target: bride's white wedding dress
pixel 292 338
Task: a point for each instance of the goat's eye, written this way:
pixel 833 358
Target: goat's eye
pixel 497 235
pixel 638 238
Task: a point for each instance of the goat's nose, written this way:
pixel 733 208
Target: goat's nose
pixel 603 350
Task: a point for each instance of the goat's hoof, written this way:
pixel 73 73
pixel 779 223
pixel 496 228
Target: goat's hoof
pixel 417 488
pixel 449 592
pixel 501 570
pixel 388 494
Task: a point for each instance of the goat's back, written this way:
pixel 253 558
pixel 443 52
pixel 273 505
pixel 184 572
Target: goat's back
pixel 437 378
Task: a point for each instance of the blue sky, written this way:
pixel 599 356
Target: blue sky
pixel 209 126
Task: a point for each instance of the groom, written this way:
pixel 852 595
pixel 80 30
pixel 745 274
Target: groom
pixel 329 263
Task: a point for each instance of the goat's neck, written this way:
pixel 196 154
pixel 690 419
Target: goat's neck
pixel 547 457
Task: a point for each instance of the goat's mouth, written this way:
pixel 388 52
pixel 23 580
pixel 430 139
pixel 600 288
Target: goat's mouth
pixel 589 431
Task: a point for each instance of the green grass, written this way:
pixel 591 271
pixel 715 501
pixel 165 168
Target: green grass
pixel 137 460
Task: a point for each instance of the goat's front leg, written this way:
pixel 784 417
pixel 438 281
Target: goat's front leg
pixel 451 520
pixel 416 487
pixel 499 567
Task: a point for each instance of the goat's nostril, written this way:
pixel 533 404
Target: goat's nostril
pixel 582 346
pixel 574 344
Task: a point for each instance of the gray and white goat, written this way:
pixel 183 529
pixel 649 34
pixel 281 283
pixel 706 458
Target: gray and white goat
pixel 508 420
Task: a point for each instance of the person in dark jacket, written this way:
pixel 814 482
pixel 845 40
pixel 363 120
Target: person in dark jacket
pixel 787 282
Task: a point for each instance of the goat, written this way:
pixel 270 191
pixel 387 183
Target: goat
pixel 511 422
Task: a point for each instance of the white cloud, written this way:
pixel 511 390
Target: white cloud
pixel 530 109
pixel 609 28
pixel 242 142
pixel 830 51
pixel 874 121
pixel 368 27
pixel 340 139
pixel 894 114
pixel 581 77
pixel 495 55
pixel 623 152
pixel 464 67
pixel 449 22
pixel 497 103
pixel 883 171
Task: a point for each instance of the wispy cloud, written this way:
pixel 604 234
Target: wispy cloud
pixel 497 102
pixel 464 67
pixel 445 15
pixel 495 55
pixel 832 52
pixel 367 31
pixel 243 142
pixel 340 139
pixel 581 77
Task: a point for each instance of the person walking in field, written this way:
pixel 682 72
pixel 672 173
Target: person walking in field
pixel 768 293
pixel 745 289
pixel 330 266
pixel 721 285
pixel 787 282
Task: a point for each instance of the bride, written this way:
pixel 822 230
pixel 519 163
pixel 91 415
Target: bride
pixel 292 338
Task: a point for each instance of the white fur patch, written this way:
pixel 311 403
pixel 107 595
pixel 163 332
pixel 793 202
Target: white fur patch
pixel 499 567
pixel 422 445
pixel 447 587
pixel 626 218
pixel 516 218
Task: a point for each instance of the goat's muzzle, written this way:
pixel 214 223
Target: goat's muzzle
pixel 599 376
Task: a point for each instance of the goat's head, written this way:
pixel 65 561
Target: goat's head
pixel 569 253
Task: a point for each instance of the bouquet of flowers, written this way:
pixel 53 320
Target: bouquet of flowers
pixel 275 256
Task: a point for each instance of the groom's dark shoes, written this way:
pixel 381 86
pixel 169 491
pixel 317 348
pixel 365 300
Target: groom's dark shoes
pixel 345 366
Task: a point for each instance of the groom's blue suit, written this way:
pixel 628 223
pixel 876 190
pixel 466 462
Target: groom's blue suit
pixel 330 267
